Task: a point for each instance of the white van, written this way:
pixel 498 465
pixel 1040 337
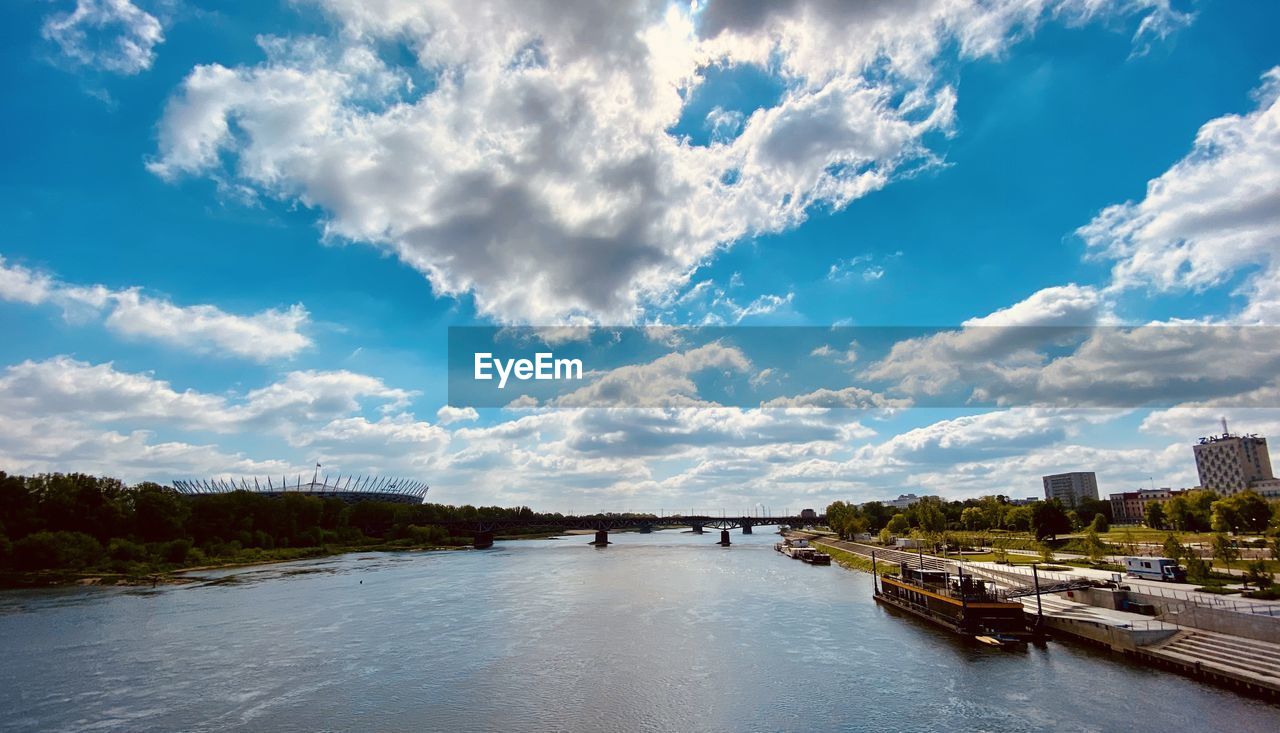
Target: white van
pixel 1155 568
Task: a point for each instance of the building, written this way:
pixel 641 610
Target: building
pixel 1071 488
pixel 1229 464
pixel 903 501
pixel 1025 502
pixel 352 491
pixel 1130 507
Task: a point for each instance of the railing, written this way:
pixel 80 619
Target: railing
pixel 1205 600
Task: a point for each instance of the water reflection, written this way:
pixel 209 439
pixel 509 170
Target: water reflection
pixel 666 631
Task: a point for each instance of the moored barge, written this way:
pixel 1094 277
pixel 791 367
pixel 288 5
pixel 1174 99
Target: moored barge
pixel 961 603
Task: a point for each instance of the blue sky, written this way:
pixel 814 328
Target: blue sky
pixel 237 237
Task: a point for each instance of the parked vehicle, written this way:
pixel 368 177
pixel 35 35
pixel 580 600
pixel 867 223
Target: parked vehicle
pixel 1155 568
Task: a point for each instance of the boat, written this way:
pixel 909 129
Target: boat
pixel 963 604
pixel 794 548
pixel 816 558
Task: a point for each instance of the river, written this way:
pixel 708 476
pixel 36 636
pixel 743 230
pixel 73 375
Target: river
pixel 659 632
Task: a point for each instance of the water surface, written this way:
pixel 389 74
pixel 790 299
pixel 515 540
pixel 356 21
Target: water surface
pixel 659 632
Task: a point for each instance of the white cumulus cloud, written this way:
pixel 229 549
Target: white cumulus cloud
pixel 112 35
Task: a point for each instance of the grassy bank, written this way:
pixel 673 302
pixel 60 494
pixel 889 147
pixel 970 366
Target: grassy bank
pixel 847 559
pixel 143 574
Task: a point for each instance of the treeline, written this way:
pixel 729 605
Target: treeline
pixel 1199 510
pixel 1202 510
pixel 932 515
pixel 77 522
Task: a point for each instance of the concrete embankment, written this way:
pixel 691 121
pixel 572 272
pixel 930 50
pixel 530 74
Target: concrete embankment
pixel 1249 662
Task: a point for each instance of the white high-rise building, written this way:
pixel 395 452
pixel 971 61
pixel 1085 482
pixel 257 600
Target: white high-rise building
pixel 1229 464
pixel 1071 488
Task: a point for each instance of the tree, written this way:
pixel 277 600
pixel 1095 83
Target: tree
pixel 973 518
pixel 885 536
pixel 1074 517
pixel 1256 572
pixel 1048 519
pixel 1243 512
pixel 929 514
pixel 898 524
pixel 993 510
pixel 1099 523
pixel 1224 549
pixel 1190 511
pixel 1173 548
pixel 1094 547
pixel 1046 551
pixel 1153 515
pixel 1018 518
pixel 845 520
pixel 999 552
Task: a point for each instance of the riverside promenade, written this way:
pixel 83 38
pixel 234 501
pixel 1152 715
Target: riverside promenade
pixel 1249 663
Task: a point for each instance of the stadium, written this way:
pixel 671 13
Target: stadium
pixel 353 490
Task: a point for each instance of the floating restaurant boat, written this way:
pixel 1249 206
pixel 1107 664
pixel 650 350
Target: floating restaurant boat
pixel 800 549
pixel 816 558
pixel 962 603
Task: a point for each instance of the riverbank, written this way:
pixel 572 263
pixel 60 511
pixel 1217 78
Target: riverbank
pixel 155 576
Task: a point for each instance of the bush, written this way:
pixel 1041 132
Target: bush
pixel 1257 574
pixel 177 551
pixel 125 551
pixel 44 550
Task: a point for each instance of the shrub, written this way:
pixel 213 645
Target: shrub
pixel 42 550
pixel 177 551
pixel 125 551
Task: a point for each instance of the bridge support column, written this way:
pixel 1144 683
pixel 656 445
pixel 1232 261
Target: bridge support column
pixel 602 538
pixel 746 527
pixel 481 540
pixel 724 538
pixel 697 529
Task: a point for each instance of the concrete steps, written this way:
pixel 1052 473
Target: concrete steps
pixel 1259 660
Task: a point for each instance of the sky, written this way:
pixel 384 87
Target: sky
pixel 237 237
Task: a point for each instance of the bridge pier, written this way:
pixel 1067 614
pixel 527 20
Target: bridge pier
pixel 724 538
pixel 697 528
pixel 746 527
pixel 482 540
pixel 602 538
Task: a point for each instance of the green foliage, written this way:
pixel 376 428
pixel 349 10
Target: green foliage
pixel 1197 569
pixel 885 536
pixel 928 514
pixel 846 520
pixel 1224 549
pixel 1243 512
pixel 1019 518
pixel 121 550
pixel 1048 519
pixel 57 522
pixel 1153 515
pixel 46 550
pixel 1256 572
pixel 974 518
pixel 898 524
pixel 1099 523
pixel 1191 511
pixel 1094 547
pixel 1174 549
pixel 1046 552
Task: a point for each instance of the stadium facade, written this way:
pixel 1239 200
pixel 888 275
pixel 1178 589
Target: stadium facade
pixel 351 490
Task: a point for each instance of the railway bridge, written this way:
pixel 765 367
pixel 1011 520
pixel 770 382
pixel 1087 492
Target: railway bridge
pixel 484 530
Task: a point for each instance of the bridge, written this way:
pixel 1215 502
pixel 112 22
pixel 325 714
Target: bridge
pixel 484 530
